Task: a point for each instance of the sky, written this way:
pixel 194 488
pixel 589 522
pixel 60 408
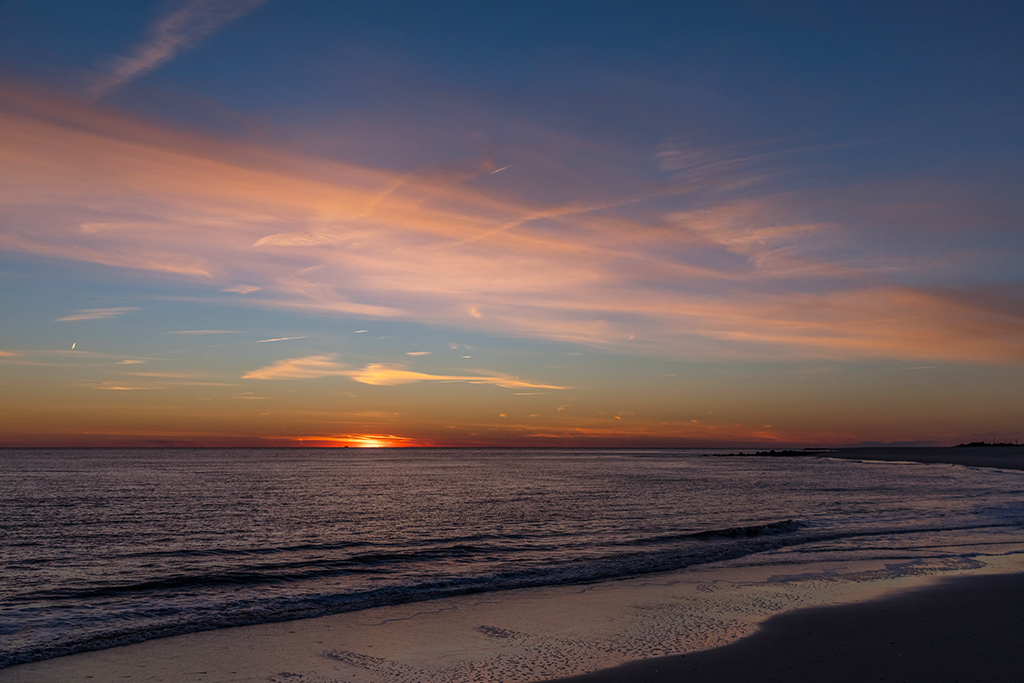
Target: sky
pixel 587 224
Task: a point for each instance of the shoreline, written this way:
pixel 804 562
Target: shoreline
pixel 961 629
pixel 1002 457
pixel 518 636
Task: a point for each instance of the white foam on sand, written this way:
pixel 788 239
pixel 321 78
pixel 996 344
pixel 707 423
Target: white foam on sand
pixel 511 636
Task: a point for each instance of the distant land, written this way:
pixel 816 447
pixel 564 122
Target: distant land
pixel 1008 456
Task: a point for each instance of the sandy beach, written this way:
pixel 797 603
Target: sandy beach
pixel 961 630
pixel 941 619
pixel 556 633
pixel 965 629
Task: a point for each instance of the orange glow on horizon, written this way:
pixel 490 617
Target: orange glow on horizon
pixel 361 441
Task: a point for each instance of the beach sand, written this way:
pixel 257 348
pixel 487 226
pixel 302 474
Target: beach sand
pixel 552 633
pixel 966 629
pixel 951 619
pixel 962 630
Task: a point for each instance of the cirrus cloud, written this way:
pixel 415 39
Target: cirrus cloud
pixel 172 33
pixel 96 314
pixel 389 374
pixel 308 367
pixel 757 276
pixel 378 374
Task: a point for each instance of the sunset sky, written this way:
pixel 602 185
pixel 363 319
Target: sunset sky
pixel 321 222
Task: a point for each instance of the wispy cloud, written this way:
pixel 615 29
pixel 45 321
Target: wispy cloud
pixel 66 358
pixel 181 29
pixel 96 314
pixel 204 332
pixel 389 374
pixel 114 386
pixel 755 275
pixel 378 374
pixel 264 341
pixel 308 367
pixel 242 289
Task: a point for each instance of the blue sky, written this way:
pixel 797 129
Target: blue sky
pixel 664 224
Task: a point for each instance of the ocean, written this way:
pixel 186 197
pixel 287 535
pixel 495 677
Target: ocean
pixel 110 547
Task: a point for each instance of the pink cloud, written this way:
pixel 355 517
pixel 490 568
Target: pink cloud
pixel 754 277
pixel 96 314
pixel 379 374
pixel 389 374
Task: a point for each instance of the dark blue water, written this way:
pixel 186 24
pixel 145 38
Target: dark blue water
pixel 107 547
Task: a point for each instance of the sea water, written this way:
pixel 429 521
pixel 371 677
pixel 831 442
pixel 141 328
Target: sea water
pixel 109 547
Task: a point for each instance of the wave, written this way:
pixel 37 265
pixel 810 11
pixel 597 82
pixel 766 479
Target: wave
pixel 178 618
pixel 664 553
pixel 751 531
pixel 384 562
pixel 771 528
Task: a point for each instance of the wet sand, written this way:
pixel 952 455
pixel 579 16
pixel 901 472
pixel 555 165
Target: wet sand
pixel 547 634
pixel 968 629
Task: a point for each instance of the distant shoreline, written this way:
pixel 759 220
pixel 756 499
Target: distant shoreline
pixel 1002 456
pixel 995 455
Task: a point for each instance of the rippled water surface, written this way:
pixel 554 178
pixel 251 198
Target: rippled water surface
pixel 102 547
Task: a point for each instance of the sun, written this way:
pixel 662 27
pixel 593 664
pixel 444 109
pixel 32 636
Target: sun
pixel 369 442
pixel 361 441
